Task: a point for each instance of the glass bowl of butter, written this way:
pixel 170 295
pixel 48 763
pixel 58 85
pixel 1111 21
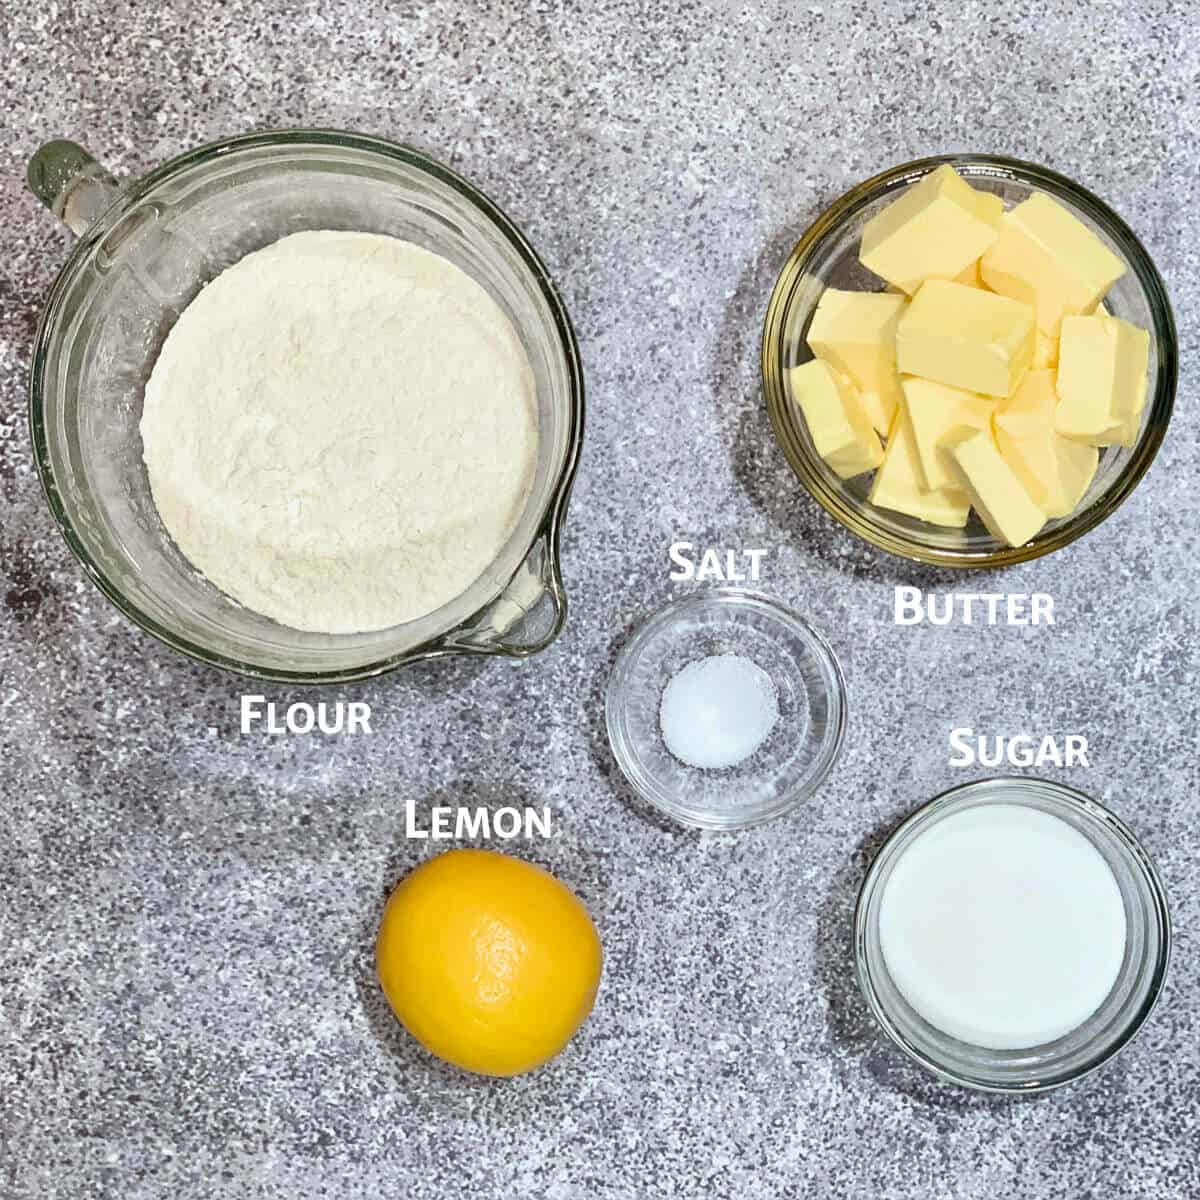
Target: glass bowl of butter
pixel 969 360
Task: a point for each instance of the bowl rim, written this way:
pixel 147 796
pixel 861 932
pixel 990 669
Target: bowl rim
pixel 1160 404
pixel 546 530
pixel 935 809
pixel 706 820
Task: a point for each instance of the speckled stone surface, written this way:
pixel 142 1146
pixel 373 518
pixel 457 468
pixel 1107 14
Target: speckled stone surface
pixel 187 1004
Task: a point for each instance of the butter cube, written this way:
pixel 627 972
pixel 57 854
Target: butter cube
pixel 933 409
pixel 898 484
pixel 972 274
pixel 880 407
pixel 1101 384
pixel 1045 350
pixel 965 337
pixel 990 206
pixel 1045 346
pixel 935 230
pixel 969 276
pixel 839 428
pixel 1047 257
pixel 855 332
pixel 995 492
pixel 1054 470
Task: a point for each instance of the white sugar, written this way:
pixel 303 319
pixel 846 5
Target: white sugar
pixel 1003 926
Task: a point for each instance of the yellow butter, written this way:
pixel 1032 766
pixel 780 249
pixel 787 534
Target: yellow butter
pixel 855 332
pixel 933 409
pixel 1047 257
pixel 1054 470
pixel 1045 350
pixel 880 407
pixel 995 492
pixel 898 484
pixel 1045 346
pixel 969 276
pixel 1101 382
pixel 935 230
pixel 836 421
pixel 1031 409
pixel 965 337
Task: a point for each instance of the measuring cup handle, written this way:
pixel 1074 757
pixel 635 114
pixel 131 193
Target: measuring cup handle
pixel 71 184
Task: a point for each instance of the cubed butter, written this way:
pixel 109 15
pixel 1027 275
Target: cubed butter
pixel 1045 346
pixel 1045 350
pixel 970 277
pixel 898 484
pixel 991 206
pixel 993 488
pixel 836 421
pixel 1047 257
pixel 935 230
pixel 965 337
pixel 855 332
pixel 880 407
pixel 933 409
pixel 1054 470
pixel 1101 383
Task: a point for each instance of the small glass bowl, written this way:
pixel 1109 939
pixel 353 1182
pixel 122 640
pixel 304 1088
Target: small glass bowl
pixel 1109 1029
pixel 801 748
pixel 827 256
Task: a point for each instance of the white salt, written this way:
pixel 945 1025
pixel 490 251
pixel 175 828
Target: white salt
pixel 718 711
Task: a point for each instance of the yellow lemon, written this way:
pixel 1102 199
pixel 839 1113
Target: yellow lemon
pixel 489 962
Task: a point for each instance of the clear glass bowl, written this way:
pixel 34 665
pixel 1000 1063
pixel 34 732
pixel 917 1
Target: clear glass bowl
pixel 802 747
pixel 1113 1025
pixel 145 250
pixel 827 256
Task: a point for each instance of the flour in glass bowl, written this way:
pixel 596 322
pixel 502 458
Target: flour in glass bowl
pixel 341 431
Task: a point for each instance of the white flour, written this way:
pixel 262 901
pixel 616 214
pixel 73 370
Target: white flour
pixel 340 431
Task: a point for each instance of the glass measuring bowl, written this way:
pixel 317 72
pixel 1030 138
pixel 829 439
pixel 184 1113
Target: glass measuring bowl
pixel 145 250
pixel 827 256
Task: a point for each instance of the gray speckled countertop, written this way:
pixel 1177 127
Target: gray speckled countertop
pixel 187 1006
